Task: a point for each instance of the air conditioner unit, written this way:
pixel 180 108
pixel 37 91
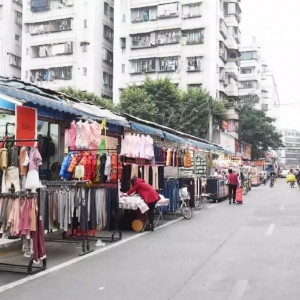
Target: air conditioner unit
pixel 160 41
pixel 69 3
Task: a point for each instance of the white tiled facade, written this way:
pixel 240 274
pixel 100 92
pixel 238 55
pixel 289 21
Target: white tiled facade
pixel 69 43
pixel 256 82
pixel 10 38
pixel 195 43
pixel 290 155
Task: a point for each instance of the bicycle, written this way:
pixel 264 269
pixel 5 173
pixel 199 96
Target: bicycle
pixel 185 208
pixel 200 201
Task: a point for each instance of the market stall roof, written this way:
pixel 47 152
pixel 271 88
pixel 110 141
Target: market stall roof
pixel 146 129
pixel 57 101
pixel 172 134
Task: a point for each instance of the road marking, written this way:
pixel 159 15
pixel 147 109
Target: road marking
pixel 270 229
pixel 80 258
pixel 238 290
pixel 282 207
pixel 101 289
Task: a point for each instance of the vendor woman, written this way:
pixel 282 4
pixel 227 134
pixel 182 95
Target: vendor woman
pixel 147 193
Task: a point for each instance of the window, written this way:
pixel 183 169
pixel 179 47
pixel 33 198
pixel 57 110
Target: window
pixel 246 71
pixel 108 33
pixel 248 55
pixel 15 60
pixel 142 40
pixel 195 86
pixel 123 68
pixel 191 10
pixel 123 43
pixel 17 38
pixel 264 107
pixel 168 10
pixel 110 79
pixel 223 51
pixel 52 50
pixel 194 64
pixel 39 6
pixel 84 46
pixel 61 73
pixel 195 36
pixel 167 64
pixel 26 74
pixel 249 84
pixel 20 2
pixel 85 23
pixel 144 14
pixel 27 51
pixel 123 18
pixel 167 37
pixel 84 71
pixel 18 18
pixel 111 13
pixel 107 56
pixel 51 26
pixel 106 8
pixel 143 65
pixel 105 78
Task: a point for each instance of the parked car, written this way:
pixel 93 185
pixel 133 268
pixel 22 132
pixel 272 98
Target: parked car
pixel 284 173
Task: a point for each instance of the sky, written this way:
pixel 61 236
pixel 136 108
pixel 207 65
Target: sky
pixel 275 24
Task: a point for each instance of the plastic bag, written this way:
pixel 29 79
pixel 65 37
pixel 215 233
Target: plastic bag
pixel 290 178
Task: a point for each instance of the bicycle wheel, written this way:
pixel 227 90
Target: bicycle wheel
pixel 198 204
pixel 186 211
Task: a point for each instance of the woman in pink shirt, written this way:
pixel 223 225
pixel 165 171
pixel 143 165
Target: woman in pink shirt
pixel 233 183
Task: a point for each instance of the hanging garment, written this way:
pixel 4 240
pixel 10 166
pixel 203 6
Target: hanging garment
pixel 79 141
pixel 107 168
pixel 187 159
pixel 134 170
pixel 85 135
pixel 12 178
pixel 3 158
pixel 125 180
pixel 155 178
pixel 95 135
pixel 72 136
pixel 13 157
pixel 23 161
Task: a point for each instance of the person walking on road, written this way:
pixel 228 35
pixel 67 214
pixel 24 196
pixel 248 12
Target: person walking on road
pixel 147 193
pixel 233 183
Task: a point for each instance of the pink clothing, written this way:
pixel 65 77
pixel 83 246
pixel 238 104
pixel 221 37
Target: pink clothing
pixel 38 242
pixel 14 218
pixel 95 133
pixel 149 149
pixel 85 135
pixel 72 136
pixel 78 135
pixel 35 159
pixel 25 220
pixel 233 179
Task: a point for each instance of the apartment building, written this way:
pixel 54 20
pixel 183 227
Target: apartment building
pixel 195 43
pixel 10 38
pixel 256 82
pixel 290 155
pixel 69 43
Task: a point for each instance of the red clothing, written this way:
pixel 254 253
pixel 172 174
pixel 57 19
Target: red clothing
pixel 145 190
pixel 233 179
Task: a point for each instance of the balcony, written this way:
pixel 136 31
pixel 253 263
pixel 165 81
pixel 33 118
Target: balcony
pixel 231 68
pixel 223 29
pixel 237 35
pixel 231 89
pixel 232 12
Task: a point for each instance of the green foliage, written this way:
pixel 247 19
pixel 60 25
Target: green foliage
pixel 88 97
pixel 160 101
pixel 257 129
pixel 135 101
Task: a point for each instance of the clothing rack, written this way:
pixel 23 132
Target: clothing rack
pixel 117 232
pixel 80 185
pixel 29 269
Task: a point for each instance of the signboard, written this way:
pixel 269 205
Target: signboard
pixel 26 125
pixel 227 142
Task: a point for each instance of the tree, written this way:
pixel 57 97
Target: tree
pixel 166 98
pixel 257 129
pixel 88 97
pixel 160 101
pixel 136 101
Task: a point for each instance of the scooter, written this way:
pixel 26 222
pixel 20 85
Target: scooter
pixel 271 182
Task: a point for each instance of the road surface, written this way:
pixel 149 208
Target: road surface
pixel 228 252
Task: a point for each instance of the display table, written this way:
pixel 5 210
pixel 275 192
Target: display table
pixel 136 202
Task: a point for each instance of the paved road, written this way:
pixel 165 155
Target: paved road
pixel 248 252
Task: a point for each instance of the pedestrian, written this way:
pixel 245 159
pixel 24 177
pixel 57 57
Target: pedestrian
pixel 147 193
pixel 233 183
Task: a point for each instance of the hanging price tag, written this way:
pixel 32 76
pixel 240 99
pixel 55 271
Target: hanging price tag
pixel 79 172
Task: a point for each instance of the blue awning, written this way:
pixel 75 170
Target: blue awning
pixel 203 145
pixel 146 129
pixel 174 138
